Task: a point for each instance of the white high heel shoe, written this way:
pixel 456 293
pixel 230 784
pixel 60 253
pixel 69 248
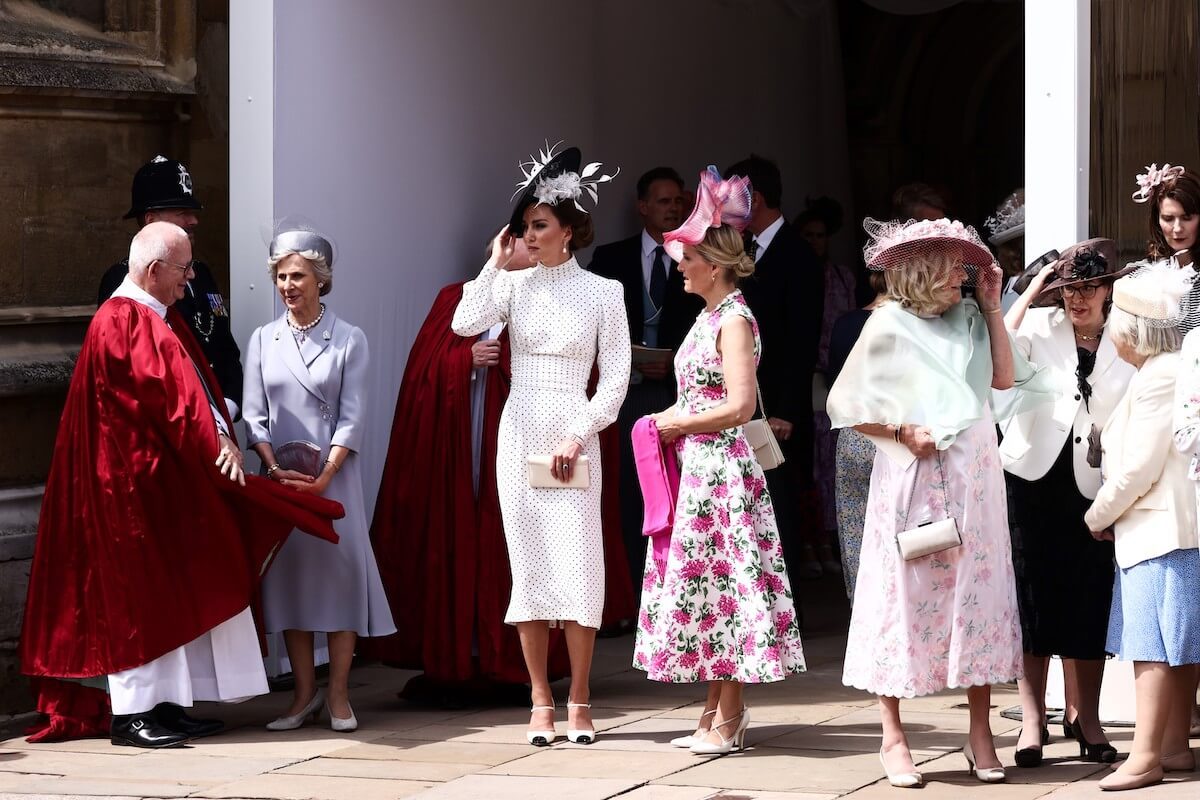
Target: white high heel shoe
pixel 735 742
pixel 541 738
pixel 313 709
pixel 689 740
pixel 339 724
pixel 985 774
pixel 902 780
pixel 577 736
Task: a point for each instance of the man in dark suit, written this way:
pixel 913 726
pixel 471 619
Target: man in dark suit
pixel 786 294
pixel 162 190
pixel 660 315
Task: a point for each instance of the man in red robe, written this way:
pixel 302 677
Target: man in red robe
pixel 126 593
pixel 438 533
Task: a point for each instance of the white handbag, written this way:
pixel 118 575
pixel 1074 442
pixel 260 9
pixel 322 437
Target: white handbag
pixel 930 537
pixel 541 473
pixel 762 439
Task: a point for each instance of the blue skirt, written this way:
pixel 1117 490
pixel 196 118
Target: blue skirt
pixel 1156 610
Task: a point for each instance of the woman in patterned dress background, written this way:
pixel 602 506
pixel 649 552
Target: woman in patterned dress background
pixel 720 609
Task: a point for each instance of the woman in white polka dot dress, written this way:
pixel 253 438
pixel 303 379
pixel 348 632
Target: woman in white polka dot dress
pixel 561 320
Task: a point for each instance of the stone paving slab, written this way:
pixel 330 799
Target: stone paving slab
pixel 394 748
pixel 512 787
pixel 308 787
pixel 779 770
pixel 587 763
pixel 433 771
pixel 22 784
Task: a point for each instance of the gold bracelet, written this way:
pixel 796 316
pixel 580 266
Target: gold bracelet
pixel 272 469
pixel 333 464
pixel 992 310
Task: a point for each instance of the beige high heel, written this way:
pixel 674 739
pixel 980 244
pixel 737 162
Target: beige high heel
pixel 689 740
pixel 902 780
pixel 735 742
pixel 313 709
pixel 339 724
pixel 985 774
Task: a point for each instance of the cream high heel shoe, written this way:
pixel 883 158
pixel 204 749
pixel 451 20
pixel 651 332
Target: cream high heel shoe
pixel 339 724
pixel 735 742
pixel 985 774
pixel 578 736
pixel 689 740
pixel 541 738
pixel 902 780
pixel 313 709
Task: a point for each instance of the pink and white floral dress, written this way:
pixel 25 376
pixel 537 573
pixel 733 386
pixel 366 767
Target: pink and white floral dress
pixel 723 608
pixel 947 620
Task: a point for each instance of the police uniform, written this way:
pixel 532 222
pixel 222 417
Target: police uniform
pixel 164 183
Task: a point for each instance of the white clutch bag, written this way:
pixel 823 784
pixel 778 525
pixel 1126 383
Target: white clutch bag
pixel 929 537
pixel 541 476
pixel 762 440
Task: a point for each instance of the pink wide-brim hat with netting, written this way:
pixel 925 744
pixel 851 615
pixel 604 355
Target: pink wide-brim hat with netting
pixel 894 244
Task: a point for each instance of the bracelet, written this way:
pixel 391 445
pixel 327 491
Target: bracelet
pixel 333 464
pixel 991 310
pixel 576 438
pixel 896 433
pixel 272 469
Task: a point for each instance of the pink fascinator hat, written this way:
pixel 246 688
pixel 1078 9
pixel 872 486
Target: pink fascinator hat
pixel 718 202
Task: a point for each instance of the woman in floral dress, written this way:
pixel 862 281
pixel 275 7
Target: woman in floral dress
pixel 918 381
pixel 720 609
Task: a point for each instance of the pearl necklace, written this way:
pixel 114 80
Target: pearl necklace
pixel 301 331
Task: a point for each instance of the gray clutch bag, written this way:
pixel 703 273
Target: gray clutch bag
pixel 300 456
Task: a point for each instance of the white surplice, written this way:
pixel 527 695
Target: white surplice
pixel 223 664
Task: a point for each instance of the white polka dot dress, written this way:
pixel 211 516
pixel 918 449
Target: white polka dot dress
pixel 561 320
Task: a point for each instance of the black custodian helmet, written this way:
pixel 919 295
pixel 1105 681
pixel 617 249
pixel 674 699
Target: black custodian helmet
pixel 163 183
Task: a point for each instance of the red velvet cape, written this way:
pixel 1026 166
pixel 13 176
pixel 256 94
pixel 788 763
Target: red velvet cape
pixel 142 544
pixel 441 551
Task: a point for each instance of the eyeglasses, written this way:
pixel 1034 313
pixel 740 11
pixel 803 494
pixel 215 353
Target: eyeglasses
pixel 184 268
pixel 1085 290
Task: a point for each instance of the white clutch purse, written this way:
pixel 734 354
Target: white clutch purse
pixel 541 476
pixel 929 537
pixel 762 440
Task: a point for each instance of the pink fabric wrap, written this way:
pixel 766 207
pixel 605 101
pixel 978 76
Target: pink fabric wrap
pixel 658 474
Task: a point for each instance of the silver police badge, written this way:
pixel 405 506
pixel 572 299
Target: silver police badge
pixel 185 180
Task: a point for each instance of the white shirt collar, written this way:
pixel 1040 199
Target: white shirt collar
pixel 137 294
pixel 648 244
pixel 764 239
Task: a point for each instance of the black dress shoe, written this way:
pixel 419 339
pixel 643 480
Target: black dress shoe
pixel 174 718
pixel 142 730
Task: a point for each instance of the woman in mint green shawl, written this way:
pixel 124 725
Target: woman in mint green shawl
pixel 918 382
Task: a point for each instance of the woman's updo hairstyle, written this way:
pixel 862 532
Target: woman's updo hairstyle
pixel 723 247
pixel 580 223
pixel 320 267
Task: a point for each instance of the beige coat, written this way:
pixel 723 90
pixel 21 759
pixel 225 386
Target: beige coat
pixel 1146 496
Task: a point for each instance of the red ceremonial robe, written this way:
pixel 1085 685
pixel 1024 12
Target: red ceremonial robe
pixel 142 544
pixel 441 551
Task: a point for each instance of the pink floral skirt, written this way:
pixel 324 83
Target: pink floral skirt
pixel 722 610
pixel 948 620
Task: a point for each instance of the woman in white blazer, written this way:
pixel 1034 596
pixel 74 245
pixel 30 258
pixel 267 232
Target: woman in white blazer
pixel 1064 576
pixel 1147 505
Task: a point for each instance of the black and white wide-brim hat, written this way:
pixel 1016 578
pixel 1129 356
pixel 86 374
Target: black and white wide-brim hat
pixel 552 178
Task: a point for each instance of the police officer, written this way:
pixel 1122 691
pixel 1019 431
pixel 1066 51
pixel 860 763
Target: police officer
pixel 162 190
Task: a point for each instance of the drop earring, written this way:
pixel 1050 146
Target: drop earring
pixel 564 248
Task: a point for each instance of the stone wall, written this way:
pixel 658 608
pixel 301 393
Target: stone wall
pixel 89 91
